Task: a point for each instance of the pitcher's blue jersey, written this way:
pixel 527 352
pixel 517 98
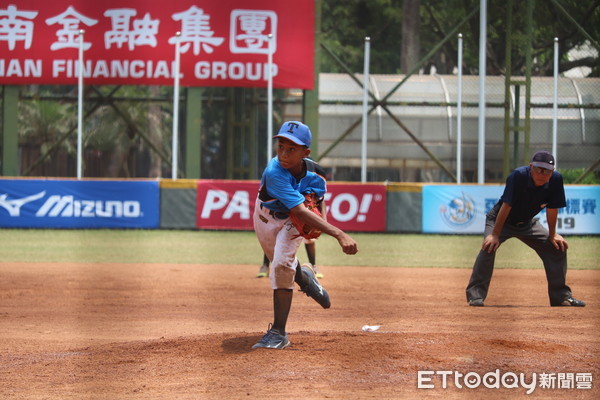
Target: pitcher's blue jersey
pixel 280 191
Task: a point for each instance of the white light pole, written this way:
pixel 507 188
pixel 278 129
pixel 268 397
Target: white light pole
pixel 459 113
pixel 270 98
pixel 482 72
pixel 80 108
pixel 365 106
pixel 555 103
pixel 175 141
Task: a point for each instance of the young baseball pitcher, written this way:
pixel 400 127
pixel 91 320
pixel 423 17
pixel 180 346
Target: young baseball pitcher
pixel 285 212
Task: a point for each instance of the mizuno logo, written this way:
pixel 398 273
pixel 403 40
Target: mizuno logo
pixel 69 207
pixel 14 206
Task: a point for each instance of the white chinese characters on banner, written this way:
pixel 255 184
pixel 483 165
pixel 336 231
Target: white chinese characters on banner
pixel 16 27
pixel 250 31
pixel 68 36
pixel 195 29
pixel 143 33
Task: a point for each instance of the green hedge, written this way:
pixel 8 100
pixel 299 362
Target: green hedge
pixel 570 175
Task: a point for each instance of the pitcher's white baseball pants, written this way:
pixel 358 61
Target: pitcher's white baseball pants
pixel 276 237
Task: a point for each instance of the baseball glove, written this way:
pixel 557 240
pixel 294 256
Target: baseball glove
pixel 308 232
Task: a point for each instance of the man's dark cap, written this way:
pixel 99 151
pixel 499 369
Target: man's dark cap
pixel 543 159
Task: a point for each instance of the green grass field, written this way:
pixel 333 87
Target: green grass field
pixel 218 247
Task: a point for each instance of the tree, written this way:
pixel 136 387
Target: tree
pixel 347 22
pixel 411 23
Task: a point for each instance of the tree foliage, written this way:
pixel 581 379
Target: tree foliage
pixel 345 23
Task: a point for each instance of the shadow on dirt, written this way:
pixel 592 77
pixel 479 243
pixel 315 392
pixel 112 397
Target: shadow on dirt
pixel 239 345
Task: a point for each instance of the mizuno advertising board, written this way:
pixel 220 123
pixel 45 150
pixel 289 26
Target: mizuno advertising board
pixel 78 204
pixel 461 209
pixel 224 204
pixel 133 42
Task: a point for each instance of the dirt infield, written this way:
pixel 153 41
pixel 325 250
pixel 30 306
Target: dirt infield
pixel 148 331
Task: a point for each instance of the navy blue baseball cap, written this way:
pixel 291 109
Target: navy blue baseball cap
pixel 295 131
pixel 543 159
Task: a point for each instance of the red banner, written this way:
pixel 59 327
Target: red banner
pixel 229 205
pixel 222 43
pixel 356 207
pixel 226 204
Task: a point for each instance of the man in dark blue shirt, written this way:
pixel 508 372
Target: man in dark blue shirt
pixel 528 191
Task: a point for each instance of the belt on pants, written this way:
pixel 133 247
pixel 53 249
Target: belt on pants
pixel 276 214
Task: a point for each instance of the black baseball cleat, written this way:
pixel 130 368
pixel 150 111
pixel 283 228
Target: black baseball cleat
pixel 572 302
pixel 476 302
pixel 273 339
pixel 313 288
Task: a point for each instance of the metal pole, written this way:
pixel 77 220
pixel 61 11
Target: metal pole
pixel 365 113
pixel 516 125
pixel 270 99
pixel 175 143
pixel 508 99
pixel 555 101
pixel 482 72
pixel 528 68
pixel 459 113
pixel 80 108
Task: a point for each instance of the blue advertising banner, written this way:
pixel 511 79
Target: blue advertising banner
pixel 457 208
pixel 460 209
pixel 78 204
